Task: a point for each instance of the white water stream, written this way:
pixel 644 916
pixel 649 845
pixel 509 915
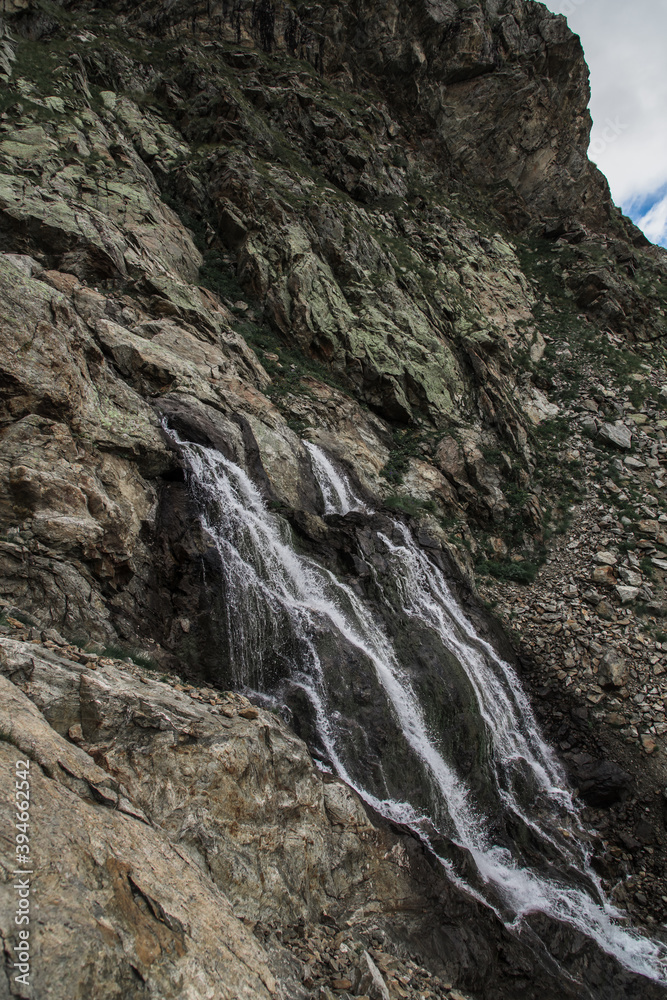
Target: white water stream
pixel 284 603
pixel 336 491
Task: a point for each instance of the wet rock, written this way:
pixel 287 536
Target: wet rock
pixel 600 783
pixel 358 268
pixel 245 784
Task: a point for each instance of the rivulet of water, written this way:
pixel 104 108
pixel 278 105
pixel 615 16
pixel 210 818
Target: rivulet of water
pixel 337 494
pixel 286 613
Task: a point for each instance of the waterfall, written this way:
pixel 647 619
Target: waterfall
pixel 335 488
pixel 292 621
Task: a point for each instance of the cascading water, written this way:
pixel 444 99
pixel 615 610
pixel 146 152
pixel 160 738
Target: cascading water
pixel 337 495
pixel 290 619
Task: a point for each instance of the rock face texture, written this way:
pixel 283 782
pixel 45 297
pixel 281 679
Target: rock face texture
pixel 362 245
pixel 170 823
pixel 371 227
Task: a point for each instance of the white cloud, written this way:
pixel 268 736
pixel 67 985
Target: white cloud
pixel 654 223
pixel 624 42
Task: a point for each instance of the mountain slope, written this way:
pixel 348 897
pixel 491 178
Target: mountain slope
pixel 371 226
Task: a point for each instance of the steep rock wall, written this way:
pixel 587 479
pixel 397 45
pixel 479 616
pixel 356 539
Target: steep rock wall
pixel 375 229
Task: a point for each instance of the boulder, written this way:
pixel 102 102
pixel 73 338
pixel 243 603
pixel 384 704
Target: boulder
pixel 368 980
pixel 605 558
pixel 613 671
pixel 630 577
pixel 627 595
pixel 589 426
pixel 499 548
pixel 449 459
pixel 590 405
pixel 538 348
pixel 538 408
pixel 606 610
pixel 616 434
pixel 604 575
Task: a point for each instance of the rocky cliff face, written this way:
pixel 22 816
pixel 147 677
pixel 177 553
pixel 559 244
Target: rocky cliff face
pixel 373 227
pixel 188 846
pixel 339 237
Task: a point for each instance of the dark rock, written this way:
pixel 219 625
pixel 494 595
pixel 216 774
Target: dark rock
pixel 644 832
pixel 196 422
pixel 600 782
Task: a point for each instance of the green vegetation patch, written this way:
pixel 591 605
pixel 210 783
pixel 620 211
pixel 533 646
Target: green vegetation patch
pixel 118 652
pixel 519 572
pixel 412 506
pixel 407 443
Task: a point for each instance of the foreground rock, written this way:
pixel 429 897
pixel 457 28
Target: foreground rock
pixel 116 904
pixel 205 816
pixel 170 822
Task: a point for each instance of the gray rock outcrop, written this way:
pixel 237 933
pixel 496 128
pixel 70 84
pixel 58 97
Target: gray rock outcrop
pixel 370 227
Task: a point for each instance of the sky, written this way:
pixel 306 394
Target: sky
pixel 625 42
